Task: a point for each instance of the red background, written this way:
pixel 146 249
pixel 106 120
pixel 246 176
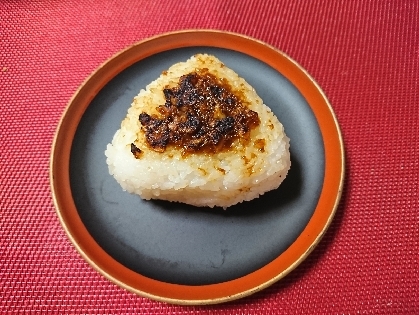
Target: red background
pixel 364 55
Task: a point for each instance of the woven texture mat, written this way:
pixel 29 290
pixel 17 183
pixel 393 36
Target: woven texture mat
pixel 365 56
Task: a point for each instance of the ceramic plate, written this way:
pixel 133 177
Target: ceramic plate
pixel 177 253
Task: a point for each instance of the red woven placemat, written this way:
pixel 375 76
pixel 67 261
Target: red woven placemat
pixel 365 56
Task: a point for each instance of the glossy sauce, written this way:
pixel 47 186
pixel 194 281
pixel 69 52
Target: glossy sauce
pixel 201 114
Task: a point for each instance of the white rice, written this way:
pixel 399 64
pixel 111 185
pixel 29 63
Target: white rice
pixel 222 179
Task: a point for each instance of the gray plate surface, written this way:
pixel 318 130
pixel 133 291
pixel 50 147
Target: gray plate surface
pixel 182 244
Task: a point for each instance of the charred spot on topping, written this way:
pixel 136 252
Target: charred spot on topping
pixel 136 151
pixel 224 125
pixel 250 170
pixel 203 171
pixel 221 170
pixel 246 159
pixel 167 93
pixel 260 145
pixel 200 114
pixel 144 118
